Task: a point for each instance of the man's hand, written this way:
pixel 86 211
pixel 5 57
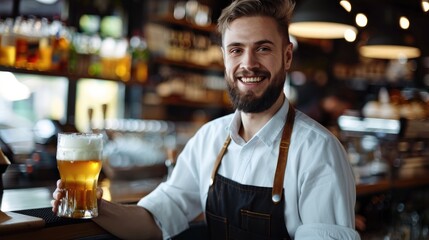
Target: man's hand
pixel 59 194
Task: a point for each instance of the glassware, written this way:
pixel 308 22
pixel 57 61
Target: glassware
pixel 79 159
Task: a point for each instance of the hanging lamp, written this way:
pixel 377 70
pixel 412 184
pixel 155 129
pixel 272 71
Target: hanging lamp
pixel 321 19
pixel 389 41
pixel 389 45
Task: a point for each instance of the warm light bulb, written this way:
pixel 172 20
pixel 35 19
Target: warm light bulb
pixel 320 30
pixel 350 35
pixel 321 20
pixel 346 5
pixel 389 51
pixel 361 20
pixel 425 5
pixel 404 22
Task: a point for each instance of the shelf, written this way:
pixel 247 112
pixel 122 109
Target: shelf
pixel 211 28
pixel 378 186
pixel 37 72
pixel 188 47
pixel 181 102
pixel 404 178
pixel 54 73
pixel 213 67
pixel 66 74
pixel 411 177
pixel 187 103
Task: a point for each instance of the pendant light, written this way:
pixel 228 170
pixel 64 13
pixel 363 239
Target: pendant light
pixel 425 5
pixel 325 19
pixel 389 41
pixel 389 45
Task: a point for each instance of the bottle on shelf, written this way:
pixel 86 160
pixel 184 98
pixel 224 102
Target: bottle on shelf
pixel 34 44
pixel 7 43
pixel 140 58
pixel 61 36
pixel 44 62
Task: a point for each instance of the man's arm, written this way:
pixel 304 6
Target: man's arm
pixel 328 192
pixel 127 221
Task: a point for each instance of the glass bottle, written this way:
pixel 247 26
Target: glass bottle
pixel 45 47
pixel 7 44
pixel 20 28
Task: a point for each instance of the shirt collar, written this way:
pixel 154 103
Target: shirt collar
pixel 268 133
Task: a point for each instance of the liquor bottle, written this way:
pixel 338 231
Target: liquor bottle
pixel 7 44
pixel 60 46
pixel 44 60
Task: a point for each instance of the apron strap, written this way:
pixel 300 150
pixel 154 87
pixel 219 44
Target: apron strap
pixel 219 159
pixel 283 154
pixel 282 158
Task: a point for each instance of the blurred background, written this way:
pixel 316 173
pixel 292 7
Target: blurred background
pixel 148 73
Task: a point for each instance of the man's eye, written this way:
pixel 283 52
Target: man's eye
pixel 235 51
pixel 263 49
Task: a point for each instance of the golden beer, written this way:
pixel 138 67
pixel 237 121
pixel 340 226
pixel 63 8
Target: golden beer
pixel 79 164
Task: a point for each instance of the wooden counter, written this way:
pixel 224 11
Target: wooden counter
pixel 26 213
pixel 88 230
pixel 18 202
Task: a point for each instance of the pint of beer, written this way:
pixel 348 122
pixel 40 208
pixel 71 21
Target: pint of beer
pixel 79 164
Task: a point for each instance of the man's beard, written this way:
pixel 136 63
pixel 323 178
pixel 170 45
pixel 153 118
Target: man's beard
pixel 248 102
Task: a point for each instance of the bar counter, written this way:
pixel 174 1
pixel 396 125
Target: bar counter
pixel 23 204
pixel 26 212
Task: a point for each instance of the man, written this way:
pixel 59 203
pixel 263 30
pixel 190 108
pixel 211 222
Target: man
pixel 266 171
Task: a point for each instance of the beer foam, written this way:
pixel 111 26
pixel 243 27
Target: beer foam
pixel 79 146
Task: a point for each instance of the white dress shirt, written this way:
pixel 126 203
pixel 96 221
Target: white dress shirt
pixel 319 184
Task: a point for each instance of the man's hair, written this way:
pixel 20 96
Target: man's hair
pixel 279 10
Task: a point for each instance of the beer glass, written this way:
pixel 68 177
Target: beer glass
pixel 79 163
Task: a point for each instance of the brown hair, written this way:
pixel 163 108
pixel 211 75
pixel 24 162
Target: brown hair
pixel 279 10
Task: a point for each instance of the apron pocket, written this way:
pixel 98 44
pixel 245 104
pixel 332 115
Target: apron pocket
pixel 218 226
pixel 258 223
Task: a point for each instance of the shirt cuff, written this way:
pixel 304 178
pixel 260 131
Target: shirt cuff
pixel 325 231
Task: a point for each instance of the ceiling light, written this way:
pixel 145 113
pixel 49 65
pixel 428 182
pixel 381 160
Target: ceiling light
pixel 350 36
pixel 388 40
pixel 389 45
pixel 361 20
pixel 404 22
pixel 321 20
pixel 425 5
pixel 346 5
pixel 389 52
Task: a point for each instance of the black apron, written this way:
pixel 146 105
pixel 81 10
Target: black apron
pixel 237 211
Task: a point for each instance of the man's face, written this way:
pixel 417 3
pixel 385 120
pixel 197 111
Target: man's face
pixel 256 60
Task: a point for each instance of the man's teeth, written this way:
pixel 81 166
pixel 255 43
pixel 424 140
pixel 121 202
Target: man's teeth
pixel 251 79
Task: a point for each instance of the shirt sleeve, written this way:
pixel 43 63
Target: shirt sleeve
pixel 167 215
pixel 327 192
pixel 176 202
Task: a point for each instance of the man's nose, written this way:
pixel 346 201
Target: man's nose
pixel 249 60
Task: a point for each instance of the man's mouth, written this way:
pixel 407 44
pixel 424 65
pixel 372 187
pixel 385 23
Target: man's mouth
pixel 251 79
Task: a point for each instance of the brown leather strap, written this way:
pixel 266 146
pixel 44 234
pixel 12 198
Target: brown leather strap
pixel 219 159
pixel 281 161
pixel 283 154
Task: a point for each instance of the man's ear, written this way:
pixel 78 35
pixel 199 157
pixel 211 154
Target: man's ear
pixel 288 53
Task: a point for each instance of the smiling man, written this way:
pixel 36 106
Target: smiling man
pixel 267 171
pixel 256 61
